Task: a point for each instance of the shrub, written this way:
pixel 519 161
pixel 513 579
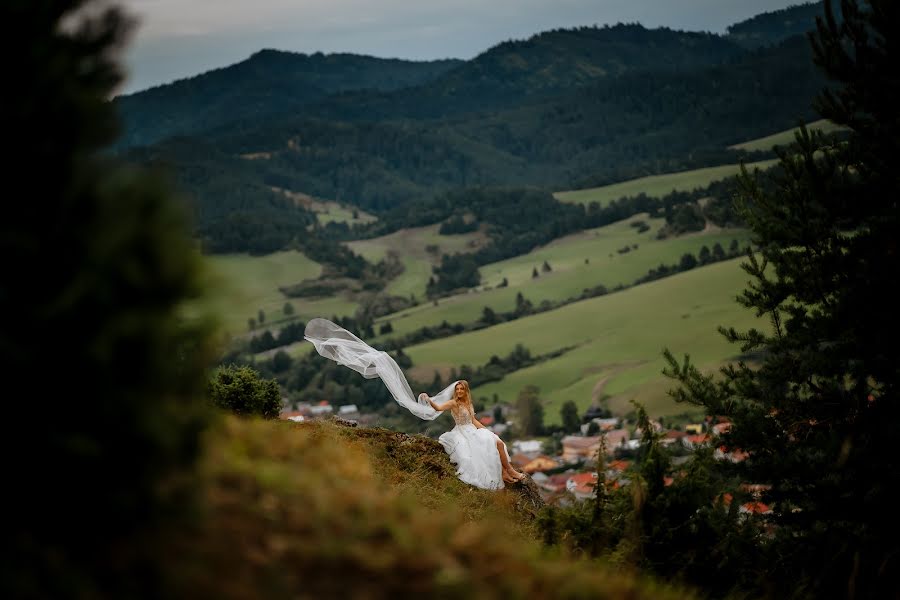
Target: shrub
pixel 242 391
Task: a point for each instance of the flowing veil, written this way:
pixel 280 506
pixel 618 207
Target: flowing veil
pixel 336 343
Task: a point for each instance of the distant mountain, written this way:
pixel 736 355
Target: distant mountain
pixel 517 72
pixel 563 109
pixel 771 28
pixel 270 82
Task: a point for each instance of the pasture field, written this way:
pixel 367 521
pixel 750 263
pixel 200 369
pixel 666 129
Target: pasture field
pixel 783 138
pixel 657 185
pixel 570 273
pixel 245 284
pixel 618 342
pixel 328 211
pixel 419 248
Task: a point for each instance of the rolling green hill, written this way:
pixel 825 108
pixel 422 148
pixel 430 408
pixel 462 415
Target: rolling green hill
pixel 570 275
pixel 619 339
pixel 247 284
pixel 783 138
pixel 660 185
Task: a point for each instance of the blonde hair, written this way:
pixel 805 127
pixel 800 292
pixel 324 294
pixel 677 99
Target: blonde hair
pixel 467 393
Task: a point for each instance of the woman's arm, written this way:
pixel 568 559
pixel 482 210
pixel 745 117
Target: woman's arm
pixel 435 406
pixel 475 421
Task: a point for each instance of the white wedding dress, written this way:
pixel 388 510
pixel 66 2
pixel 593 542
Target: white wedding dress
pixel 472 450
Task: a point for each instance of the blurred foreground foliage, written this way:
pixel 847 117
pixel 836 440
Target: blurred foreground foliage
pixel 321 510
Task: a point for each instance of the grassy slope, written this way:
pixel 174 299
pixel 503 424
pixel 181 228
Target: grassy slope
pixel 410 244
pixel 783 138
pixel 249 283
pixel 316 510
pixel 570 274
pixel 656 185
pixel 330 211
pixel 619 337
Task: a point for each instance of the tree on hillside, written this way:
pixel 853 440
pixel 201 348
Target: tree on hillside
pixel 570 420
pixel 820 415
pixel 242 391
pixel 89 488
pixel 530 411
pixel 288 309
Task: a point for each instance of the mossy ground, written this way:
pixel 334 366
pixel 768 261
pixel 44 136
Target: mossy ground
pixel 322 510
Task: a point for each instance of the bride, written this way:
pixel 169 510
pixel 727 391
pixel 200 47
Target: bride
pixel 480 456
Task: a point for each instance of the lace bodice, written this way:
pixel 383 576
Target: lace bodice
pixel 462 415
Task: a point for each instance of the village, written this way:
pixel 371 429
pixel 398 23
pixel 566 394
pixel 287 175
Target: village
pixel 570 474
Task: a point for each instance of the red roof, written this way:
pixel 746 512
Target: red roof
pixel 618 465
pixel 582 482
pixel 756 508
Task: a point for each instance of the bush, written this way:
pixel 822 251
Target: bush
pixel 243 392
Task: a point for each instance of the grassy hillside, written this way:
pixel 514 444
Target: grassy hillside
pixel 317 510
pixel 250 283
pixel 659 185
pixel 783 138
pixel 570 275
pixel 619 340
pixel 412 245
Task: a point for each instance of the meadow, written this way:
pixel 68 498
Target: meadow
pixel 579 261
pixel 618 342
pixel 246 284
pixel 420 248
pixel 657 185
pixel 783 138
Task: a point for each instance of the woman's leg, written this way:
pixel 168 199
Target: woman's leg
pixel 504 461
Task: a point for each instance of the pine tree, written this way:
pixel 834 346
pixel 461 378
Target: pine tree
pixel 99 446
pixel 820 415
pixel 569 415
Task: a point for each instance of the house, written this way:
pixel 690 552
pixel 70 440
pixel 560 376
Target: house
pixel 582 485
pixel 321 409
pixel 529 447
pixel 519 460
pixel 348 410
pixel 694 441
pixel 540 463
pixel 539 478
pixel 735 456
pixel 576 447
pixel 554 484
pixel 604 424
pixel 720 428
pixel 616 438
pixel 672 437
pixel 695 428
pixel 755 508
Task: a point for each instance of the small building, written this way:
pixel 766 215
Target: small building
pixel 320 410
pixel 616 438
pixel 529 447
pixel 540 463
pixel 582 485
pixel 672 437
pixel 576 447
pixel 695 428
pixel 348 410
pixel 694 441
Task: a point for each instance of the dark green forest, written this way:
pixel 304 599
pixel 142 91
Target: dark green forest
pixel 562 110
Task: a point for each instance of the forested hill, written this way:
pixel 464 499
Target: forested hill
pixel 770 28
pixel 560 110
pixel 269 82
pixel 514 73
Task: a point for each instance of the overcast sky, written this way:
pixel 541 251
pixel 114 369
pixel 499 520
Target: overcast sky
pixel 180 38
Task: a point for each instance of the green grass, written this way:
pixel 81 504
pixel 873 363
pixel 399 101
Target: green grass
pixel 247 284
pixel 570 274
pixel 783 138
pixel 410 245
pixel 328 211
pixel 656 185
pixel 619 341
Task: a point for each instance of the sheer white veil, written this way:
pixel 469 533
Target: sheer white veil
pixel 341 346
